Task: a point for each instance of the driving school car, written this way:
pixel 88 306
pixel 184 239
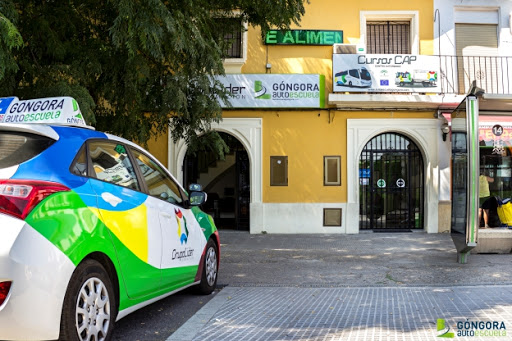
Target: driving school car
pixel 92 226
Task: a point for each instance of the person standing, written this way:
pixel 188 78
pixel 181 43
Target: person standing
pixel 485 195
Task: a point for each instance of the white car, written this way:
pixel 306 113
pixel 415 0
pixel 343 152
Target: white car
pixel 93 227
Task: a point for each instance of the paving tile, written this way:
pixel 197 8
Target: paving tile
pixel 363 313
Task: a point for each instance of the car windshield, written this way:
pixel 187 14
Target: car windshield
pixel 18 147
pixel 365 75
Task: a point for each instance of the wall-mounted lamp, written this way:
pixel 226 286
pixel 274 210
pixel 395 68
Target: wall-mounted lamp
pixel 445 129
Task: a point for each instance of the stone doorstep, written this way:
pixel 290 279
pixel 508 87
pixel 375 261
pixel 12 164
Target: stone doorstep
pixel 494 240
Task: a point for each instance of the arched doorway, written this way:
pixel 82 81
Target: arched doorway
pixel 391 184
pixel 227 183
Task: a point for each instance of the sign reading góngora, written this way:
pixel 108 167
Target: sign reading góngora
pixel 275 90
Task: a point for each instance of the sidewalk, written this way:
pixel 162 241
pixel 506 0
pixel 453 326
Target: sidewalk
pixel 350 287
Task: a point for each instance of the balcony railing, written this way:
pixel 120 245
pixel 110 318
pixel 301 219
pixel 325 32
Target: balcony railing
pixel 493 74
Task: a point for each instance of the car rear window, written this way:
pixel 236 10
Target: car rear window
pixel 18 147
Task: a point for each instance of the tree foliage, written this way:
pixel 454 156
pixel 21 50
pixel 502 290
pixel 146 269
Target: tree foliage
pixel 136 67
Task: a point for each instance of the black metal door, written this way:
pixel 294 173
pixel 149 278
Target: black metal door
pixel 391 184
pixel 243 190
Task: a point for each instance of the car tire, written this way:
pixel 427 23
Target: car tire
pixel 210 269
pixel 90 309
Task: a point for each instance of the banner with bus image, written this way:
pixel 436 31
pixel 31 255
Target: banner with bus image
pixel 385 73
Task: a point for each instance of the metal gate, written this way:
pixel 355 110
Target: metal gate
pixel 391 184
pixel 243 190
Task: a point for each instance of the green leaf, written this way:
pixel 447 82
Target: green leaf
pixel 138 68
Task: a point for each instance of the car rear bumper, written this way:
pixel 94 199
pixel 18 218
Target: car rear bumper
pixel 39 273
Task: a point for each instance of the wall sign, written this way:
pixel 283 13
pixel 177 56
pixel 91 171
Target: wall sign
pixel 303 37
pixel 385 73
pixel 50 110
pixel 364 172
pixel 495 132
pixel 275 90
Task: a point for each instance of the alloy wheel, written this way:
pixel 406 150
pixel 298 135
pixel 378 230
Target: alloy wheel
pixel 93 311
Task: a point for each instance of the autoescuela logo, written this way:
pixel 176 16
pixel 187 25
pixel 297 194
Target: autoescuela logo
pixel 260 91
pixel 472 328
pixel 443 330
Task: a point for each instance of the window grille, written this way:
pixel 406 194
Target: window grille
pixel 388 37
pixel 233 39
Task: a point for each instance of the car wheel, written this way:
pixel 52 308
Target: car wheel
pixel 209 275
pixel 90 307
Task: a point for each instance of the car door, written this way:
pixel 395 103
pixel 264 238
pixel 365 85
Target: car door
pixel 183 240
pixel 131 218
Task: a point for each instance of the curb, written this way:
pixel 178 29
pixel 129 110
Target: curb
pixel 195 324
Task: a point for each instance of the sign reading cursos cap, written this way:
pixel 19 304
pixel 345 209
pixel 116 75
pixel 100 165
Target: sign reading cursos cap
pixel 385 73
pixel 275 90
pixel 52 110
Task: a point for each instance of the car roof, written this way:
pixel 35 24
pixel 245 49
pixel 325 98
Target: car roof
pixel 56 118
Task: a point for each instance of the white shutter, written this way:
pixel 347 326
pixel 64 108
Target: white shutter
pixel 477 48
pixel 476 39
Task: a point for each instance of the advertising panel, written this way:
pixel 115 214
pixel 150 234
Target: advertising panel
pixel 495 134
pixel 275 90
pixel 51 110
pixel 385 73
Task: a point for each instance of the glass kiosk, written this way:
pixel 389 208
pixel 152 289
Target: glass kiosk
pixel 465 173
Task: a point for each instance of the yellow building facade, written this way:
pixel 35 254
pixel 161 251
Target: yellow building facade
pixel 362 159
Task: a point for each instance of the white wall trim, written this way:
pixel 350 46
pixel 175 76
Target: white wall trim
pixel 413 16
pixel 297 218
pixel 476 15
pixel 424 132
pixel 234 65
pixel 249 132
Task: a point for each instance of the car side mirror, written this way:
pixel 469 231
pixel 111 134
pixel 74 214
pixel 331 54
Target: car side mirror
pixel 197 198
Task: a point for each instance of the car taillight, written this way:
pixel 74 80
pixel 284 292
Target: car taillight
pixel 19 197
pixel 4 291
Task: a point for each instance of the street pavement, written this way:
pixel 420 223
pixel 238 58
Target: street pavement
pixel 370 286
